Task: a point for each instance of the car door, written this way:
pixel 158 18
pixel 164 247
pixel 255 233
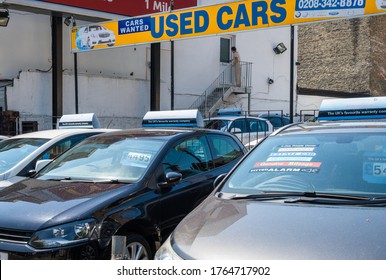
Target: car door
pixel 200 160
pixel 190 157
pixel 258 129
pixel 240 129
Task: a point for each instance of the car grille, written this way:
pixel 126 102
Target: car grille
pixel 15 236
pixel 104 35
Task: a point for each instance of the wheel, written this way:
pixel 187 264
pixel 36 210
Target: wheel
pixel 137 247
pixel 89 43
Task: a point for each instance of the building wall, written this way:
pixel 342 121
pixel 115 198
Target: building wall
pixel 378 55
pixel 344 56
pixel 115 83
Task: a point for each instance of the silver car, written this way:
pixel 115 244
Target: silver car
pixel 246 128
pixel 19 154
pixel 308 191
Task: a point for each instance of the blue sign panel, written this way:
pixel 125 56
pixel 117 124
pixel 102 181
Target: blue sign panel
pixel 134 25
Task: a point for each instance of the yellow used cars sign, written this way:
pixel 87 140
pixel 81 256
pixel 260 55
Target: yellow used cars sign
pixel 217 19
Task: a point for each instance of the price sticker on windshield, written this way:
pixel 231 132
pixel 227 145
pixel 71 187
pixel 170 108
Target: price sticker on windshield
pixel 375 172
pixel 329 8
pixel 135 157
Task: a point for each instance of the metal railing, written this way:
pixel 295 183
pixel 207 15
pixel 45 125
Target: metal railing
pixel 221 85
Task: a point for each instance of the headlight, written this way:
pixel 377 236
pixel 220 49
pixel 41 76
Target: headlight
pixel 166 252
pixel 63 235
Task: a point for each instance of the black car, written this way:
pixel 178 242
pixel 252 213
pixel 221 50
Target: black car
pixel 135 183
pixel 312 190
pixel 277 120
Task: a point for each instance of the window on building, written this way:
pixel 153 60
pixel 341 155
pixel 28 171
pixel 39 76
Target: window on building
pixel 225 47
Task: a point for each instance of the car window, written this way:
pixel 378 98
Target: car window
pixel 217 124
pixel 276 122
pixel 286 121
pixel 331 163
pixel 190 157
pixel 12 151
pixel 224 149
pixel 63 145
pixel 105 158
pixel 55 150
pixel 239 126
pixel 257 125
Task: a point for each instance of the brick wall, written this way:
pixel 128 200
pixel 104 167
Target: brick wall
pixel 378 56
pixel 343 56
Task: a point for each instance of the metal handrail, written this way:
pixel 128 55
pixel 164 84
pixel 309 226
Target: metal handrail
pixel 221 85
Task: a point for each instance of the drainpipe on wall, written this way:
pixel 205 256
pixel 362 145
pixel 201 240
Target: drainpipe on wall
pixel 291 99
pixel 57 66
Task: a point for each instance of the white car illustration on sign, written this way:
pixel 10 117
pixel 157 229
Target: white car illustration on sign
pixel 90 36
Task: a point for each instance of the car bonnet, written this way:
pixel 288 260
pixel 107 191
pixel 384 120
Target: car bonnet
pixel 33 204
pixel 276 231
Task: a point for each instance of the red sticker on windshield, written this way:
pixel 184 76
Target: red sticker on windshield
pixel 288 163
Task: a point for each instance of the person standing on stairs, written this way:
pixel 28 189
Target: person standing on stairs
pixel 236 66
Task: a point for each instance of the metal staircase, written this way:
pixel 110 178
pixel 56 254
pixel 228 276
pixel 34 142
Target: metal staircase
pixel 222 88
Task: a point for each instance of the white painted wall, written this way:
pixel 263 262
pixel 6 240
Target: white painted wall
pixel 25 44
pixel 115 83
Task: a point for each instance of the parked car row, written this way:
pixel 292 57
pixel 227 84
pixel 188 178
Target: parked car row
pixel 136 183
pixel 312 190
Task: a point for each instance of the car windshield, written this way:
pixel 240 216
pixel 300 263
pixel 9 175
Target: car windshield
pixel 351 164
pixel 12 151
pixel 106 158
pixel 217 124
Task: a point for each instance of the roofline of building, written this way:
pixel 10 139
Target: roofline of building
pixel 331 93
pixel 51 9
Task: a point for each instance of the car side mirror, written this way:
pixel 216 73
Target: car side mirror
pixel 40 164
pixel 218 180
pixel 171 179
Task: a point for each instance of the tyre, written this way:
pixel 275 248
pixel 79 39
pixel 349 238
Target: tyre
pixel 137 247
pixel 89 45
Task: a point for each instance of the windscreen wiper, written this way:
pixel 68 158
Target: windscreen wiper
pixel 337 199
pixel 310 197
pixel 102 181
pixel 60 179
pixel 263 195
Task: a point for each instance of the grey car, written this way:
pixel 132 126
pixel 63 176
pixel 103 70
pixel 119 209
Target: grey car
pixel 308 191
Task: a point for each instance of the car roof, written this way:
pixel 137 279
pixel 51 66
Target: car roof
pixel 232 117
pixel 356 126
pixel 53 133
